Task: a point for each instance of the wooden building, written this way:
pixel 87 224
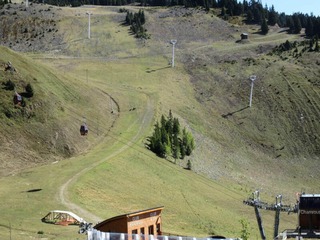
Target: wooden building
pixel 244 36
pixel 144 222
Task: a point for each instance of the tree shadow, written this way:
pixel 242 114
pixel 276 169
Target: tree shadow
pixel 231 113
pixel 34 190
pixel 154 70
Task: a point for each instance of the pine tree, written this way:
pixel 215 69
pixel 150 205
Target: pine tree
pixel 214 4
pixel 309 27
pixel 141 17
pixel 290 24
pixel 176 127
pixel 317 44
pixel 297 24
pixel 206 5
pixel 272 17
pixel 282 20
pixel 257 15
pixel 29 90
pixel 182 151
pixel 264 27
pixel 176 147
pixel 223 12
pixel 249 16
pixel 311 44
pixel 189 165
pixel 187 141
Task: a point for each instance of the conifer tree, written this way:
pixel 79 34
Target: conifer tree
pixel 176 147
pixel 214 4
pixel 317 44
pixel 176 127
pixel 187 141
pixel 257 15
pixel 29 90
pixel 272 17
pixel 297 24
pixel 264 27
pixel 249 16
pixel 309 27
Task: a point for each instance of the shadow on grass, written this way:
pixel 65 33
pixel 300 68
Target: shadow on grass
pixel 231 113
pixel 34 190
pixel 154 70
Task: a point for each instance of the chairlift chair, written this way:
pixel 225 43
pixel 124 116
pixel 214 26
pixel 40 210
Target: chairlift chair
pixel 84 129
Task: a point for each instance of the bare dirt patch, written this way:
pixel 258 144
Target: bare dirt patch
pixel 32 28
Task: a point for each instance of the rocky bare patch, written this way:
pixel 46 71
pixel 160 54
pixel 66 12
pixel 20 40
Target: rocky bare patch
pixel 32 28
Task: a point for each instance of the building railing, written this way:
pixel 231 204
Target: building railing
pixel 94 234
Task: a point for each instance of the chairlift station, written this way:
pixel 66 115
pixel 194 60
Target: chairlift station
pixel 307 208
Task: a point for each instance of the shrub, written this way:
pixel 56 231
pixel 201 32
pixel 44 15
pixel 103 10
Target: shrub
pixel 29 90
pixel 245 233
pixel 9 85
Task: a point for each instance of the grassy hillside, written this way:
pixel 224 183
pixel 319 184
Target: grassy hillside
pixel 46 129
pixel 122 85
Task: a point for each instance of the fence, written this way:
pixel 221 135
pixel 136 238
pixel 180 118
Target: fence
pixel 97 235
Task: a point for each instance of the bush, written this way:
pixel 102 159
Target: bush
pixel 245 233
pixel 29 90
pixel 9 85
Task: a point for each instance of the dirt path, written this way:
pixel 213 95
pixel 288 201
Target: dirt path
pixel 63 196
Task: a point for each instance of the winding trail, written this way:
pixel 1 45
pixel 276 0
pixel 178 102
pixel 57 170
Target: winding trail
pixel 63 196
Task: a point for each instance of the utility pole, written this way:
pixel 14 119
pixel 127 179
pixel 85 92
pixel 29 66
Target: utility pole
pixel 89 18
pixel 27 3
pixel 252 78
pixel 173 42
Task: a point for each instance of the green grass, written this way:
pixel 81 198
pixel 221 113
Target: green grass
pixel 113 171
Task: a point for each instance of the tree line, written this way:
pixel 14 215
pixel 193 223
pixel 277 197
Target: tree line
pixel 256 13
pixel 253 11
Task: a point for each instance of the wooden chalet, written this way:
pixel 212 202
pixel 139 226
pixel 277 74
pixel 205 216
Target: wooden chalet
pixel 144 222
pixel 244 36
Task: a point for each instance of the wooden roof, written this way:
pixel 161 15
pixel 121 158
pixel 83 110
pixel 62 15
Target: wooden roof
pixel 127 215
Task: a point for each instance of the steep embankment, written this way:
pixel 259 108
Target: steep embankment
pixel 45 126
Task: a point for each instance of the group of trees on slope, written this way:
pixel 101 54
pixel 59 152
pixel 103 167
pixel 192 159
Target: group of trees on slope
pixel 252 10
pixel 168 140
pixel 136 22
